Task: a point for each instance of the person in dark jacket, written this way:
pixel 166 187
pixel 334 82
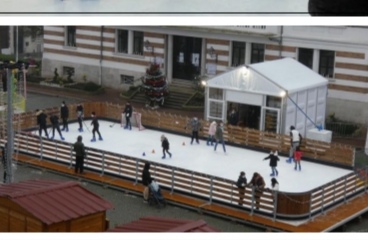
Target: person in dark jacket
pixel 165 146
pixel 258 183
pixel 80 154
pixel 55 125
pixel 64 114
pixel 4 160
pixel 233 117
pixel 95 129
pixel 338 7
pixel 146 180
pixel 195 125
pixel 80 115
pixel 273 162
pixel 128 114
pixel 219 136
pixel 41 121
pixel 241 184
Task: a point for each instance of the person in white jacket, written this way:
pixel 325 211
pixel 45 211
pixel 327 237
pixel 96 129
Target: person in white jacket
pixel 211 133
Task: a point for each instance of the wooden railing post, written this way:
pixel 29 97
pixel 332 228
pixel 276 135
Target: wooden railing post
pixel 323 199
pixel 172 180
pixel 71 156
pixel 103 164
pixel 275 193
pixel 366 178
pixel 252 204
pixel 345 190
pixel 120 165
pixel 211 189
pixel 136 171
pixel 56 150
pixel 41 148
pixel 310 206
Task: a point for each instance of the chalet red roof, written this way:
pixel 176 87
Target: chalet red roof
pixel 157 224
pixel 53 201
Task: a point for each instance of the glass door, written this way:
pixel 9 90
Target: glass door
pixel 271 119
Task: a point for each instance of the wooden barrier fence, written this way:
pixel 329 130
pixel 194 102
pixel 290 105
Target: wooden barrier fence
pixel 331 153
pixel 196 184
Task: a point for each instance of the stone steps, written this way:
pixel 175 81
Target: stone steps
pixel 180 93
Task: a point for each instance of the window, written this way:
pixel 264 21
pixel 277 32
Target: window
pixel 68 71
pixel 216 93
pixel 27 44
pixel 215 110
pixel 70 36
pixel 305 57
pixel 122 41
pixel 257 53
pixel 124 79
pixel 238 54
pixel 138 43
pixel 274 102
pixel 326 63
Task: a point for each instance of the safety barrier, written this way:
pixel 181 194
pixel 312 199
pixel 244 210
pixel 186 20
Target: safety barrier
pixel 196 184
pixel 330 153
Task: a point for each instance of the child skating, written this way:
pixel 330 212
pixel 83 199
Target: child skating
pixel 297 158
pixel 273 162
pixel 165 146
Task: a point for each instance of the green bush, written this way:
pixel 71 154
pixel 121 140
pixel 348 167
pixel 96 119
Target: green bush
pixel 91 87
pixel 4 57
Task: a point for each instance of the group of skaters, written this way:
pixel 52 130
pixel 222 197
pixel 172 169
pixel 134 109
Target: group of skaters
pixel 257 180
pixel 78 147
pixel 215 133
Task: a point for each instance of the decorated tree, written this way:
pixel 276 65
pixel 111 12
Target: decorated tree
pixel 155 86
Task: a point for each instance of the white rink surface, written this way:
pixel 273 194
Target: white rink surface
pixel 203 158
pixel 158 6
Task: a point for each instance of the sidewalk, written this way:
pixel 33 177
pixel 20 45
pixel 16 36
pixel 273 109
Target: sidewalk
pixel 109 95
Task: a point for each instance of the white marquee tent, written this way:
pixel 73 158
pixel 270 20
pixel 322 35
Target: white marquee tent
pixel 283 92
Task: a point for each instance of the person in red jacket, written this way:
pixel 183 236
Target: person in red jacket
pixel 297 158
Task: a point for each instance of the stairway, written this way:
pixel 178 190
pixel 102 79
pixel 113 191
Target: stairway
pixel 180 92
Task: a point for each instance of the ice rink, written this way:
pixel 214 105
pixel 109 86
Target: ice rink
pixel 203 158
pixel 158 6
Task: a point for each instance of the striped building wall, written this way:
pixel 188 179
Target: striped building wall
pixel 348 89
pixel 87 59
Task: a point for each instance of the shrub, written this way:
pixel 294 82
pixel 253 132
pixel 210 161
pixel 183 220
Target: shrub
pixel 91 87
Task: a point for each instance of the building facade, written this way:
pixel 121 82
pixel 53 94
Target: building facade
pixel 117 56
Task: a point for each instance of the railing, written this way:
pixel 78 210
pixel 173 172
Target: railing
pixel 196 184
pixel 321 151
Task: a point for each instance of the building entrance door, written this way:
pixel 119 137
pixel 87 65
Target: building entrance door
pixel 186 57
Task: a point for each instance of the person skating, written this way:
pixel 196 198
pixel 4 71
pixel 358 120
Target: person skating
pixel 80 154
pixel 219 135
pixel 273 162
pixel 41 121
pixel 211 133
pixel 80 115
pixel 64 114
pixel 95 129
pixel 195 125
pixel 241 184
pixel 297 158
pixel 295 141
pixel 165 146
pixel 55 125
pixel 128 114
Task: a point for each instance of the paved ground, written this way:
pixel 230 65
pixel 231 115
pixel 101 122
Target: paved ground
pixel 128 207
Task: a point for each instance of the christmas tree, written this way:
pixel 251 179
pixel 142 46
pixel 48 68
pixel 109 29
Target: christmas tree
pixel 155 86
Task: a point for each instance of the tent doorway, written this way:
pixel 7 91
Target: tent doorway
pixel 248 115
pixel 186 57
